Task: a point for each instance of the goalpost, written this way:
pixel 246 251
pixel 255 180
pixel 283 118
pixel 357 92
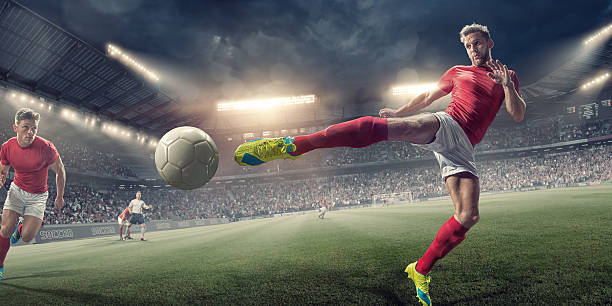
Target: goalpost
pixel 392 198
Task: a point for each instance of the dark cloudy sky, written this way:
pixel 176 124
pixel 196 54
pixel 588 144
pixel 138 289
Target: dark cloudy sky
pixel 345 50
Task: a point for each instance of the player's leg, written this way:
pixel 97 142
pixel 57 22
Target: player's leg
pixel 143 228
pixel 464 189
pixel 34 212
pixel 357 133
pixel 129 225
pixel 30 227
pixel 120 221
pixel 9 218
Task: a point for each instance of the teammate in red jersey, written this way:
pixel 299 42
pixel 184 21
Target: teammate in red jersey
pixel 31 157
pixel 124 218
pixel 323 209
pixel 478 92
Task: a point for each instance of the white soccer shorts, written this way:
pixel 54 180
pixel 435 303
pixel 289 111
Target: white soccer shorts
pixel 452 148
pixel 25 203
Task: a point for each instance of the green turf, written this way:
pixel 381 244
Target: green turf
pixel 541 247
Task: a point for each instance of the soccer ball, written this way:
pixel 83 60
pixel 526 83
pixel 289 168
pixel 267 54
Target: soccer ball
pixel 186 157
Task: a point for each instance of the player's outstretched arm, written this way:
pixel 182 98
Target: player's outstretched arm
pixel 4 170
pixel 515 105
pixel 60 182
pixel 419 102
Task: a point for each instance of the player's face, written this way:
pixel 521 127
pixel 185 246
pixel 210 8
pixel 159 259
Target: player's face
pixel 478 48
pixel 26 131
pixel 138 195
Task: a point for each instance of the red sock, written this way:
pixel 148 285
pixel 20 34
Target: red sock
pixel 356 133
pixel 5 244
pixel 449 236
pixel 120 231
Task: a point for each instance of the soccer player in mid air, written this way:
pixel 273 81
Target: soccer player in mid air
pixel 31 157
pixel 478 92
pixel 123 219
pixel 136 209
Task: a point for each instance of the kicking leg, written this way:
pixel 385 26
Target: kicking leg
pixel 358 133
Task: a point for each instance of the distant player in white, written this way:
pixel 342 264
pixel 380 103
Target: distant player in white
pixel 136 207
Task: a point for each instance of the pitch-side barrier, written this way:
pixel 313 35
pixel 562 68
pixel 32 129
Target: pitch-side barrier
pixel 61 232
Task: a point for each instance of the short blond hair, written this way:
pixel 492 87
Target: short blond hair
pixel 472 28
pixel 26 114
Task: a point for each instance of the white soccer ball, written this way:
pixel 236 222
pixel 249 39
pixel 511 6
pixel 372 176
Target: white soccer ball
pixel 186 157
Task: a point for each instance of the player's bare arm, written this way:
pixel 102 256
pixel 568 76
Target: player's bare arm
pixel 4 170
pixel 515 105
pixel 419 102
pixel 60 182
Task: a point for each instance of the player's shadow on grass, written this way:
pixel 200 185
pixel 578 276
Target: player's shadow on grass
pixel 69 295
pixel 42 275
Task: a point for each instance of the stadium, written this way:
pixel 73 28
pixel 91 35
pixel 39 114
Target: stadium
pixel 110 79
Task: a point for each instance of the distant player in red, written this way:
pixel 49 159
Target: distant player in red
pixel 124 218
pixel 31 157
pixel 323 209
pixel 478 91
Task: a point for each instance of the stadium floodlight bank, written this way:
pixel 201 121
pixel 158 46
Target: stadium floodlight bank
pixel 412 89
pixel 599 34
pixel 115 52
pixel 264 104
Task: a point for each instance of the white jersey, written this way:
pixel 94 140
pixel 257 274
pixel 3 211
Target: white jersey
pixel 136 206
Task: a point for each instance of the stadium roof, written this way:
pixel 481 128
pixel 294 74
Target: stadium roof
pixel 561 88
pixel 42 58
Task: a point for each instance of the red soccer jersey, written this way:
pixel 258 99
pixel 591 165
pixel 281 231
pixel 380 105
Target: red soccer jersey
pixel 31 164
pixel 125 214
pixel 475 98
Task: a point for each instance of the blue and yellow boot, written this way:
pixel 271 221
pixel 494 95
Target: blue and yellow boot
pixel 259 151
pixel 421 283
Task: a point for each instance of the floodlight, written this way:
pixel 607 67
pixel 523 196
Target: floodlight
pixel 412 89
pixel 599 34
pixel 114 51
pixel 596 80
pixel 263 104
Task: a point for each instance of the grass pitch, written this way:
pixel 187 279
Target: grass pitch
pixel 543 247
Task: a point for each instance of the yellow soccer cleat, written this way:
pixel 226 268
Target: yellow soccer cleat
pixel 259 151
pixel 421 283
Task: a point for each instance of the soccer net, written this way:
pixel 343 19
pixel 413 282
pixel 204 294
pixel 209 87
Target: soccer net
pixel 392 198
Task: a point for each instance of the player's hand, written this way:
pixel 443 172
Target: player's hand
pixel 386 113
pixel 500 74
pixel 59 203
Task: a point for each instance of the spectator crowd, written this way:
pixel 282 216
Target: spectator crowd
pixel 86 204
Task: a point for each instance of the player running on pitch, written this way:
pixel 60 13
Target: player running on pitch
pixel 477 94
pixel 31 156
pixel 136 209
pixel 123 219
